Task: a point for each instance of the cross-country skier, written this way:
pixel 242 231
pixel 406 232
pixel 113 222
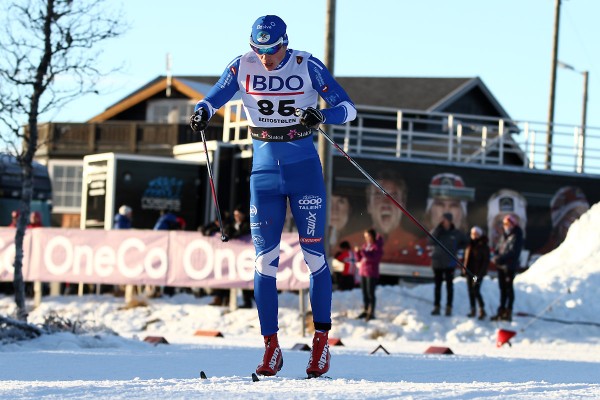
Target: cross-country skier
pixel 274 83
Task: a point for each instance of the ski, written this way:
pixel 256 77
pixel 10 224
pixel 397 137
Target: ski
pixel 255 377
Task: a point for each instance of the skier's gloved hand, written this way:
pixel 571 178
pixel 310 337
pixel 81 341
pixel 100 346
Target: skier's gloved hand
pixel 310 117
pixel 199 120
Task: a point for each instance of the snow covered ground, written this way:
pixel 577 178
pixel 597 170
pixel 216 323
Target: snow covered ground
pixel 555 356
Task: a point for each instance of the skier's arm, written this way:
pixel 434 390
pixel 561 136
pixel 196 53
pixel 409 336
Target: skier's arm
pixel 225 88
pixel 341 109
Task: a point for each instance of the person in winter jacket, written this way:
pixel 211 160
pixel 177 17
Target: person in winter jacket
pixel 35 220
pixel 123 218
pixel 442 263
pixel 507 262
pixel 369 256
pixel 477 260
pixel 167 221
pixel 14 219
pixel 344 265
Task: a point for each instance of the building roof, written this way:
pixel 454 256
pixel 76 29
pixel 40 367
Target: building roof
pixel 423 94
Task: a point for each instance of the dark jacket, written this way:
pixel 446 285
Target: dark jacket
pixel 509 249
pixel 234 231
pixel 477 256
pixel 166 222
pixel 453 239
pixel 122 222
pixel 369 257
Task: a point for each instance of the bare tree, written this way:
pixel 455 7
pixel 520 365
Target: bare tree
pixel 48 57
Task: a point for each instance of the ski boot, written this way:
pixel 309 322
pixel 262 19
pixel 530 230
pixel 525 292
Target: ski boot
pixel 498 315
pixel 482 314
pixel 272 361
pixel 318 364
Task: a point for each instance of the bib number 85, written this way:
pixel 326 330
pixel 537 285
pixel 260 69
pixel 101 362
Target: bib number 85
pixel 285 108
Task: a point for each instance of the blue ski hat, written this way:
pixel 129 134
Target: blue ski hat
pixel 268 30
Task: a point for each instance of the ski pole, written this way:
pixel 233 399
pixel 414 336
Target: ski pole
pixel 397 204
pixel 539 315
pixel 224 237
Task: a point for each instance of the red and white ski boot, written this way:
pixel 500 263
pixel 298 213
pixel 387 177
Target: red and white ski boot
pixel 272 361
pixel 318 364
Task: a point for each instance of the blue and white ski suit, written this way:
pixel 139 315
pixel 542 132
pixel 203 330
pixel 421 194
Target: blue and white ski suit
pixel 285 166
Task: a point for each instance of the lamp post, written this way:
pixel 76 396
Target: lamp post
pixel 585 75
pixel 548 158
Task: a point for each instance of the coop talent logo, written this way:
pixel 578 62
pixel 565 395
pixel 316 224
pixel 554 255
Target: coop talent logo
pixel 310 202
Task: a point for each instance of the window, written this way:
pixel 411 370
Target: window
pixel 66 176
pixel 170 111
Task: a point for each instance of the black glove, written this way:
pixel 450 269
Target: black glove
pixel 199 120
pixel 310 117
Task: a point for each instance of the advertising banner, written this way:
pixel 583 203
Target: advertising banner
pixel 7 253
pixel 171 258
pixel 544 202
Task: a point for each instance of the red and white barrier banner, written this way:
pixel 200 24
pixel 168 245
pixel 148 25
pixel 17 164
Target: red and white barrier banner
pixel 7 253
pixel 175 258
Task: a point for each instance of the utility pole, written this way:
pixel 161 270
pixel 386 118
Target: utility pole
pixel 584 115
pixel 323 145
pixel 548 161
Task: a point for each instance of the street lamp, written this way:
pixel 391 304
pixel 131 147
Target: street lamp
pixel 584 104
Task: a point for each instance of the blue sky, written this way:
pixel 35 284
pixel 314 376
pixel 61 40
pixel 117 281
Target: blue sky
pixel 506 43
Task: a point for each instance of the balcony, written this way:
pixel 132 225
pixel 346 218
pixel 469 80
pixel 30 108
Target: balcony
pixel 74 140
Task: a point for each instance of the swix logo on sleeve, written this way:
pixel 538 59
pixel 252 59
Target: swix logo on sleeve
pixel 274 85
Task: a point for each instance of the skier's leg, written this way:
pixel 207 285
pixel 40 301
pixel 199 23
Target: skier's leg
pixel 306 190
pixel 304 182
pixel 267 216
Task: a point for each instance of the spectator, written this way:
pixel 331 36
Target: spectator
pixel 123 219
pixel 14 218
pixel 501 204
pixel 508 252
pixel 166 222
pixel 369 256
pixel 344 266
pixel 35 220
pixel 214 226
pixel 442 263
pixel 181 224
pixel 239 226
pixel 477 260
